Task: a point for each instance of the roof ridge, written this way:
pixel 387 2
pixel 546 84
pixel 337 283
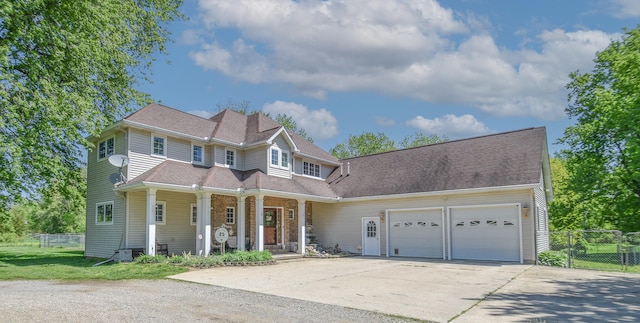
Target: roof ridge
pixel 447 142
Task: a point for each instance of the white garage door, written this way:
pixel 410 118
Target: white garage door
pixel 416 233
pixel 485 233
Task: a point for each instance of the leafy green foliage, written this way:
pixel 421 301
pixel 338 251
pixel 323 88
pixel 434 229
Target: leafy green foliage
pixel 603 161
pixel 420 139
pixel 552 258
pixel 367 143
pixel 68 69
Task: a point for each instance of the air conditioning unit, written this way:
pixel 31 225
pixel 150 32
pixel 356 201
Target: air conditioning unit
pixel 124 255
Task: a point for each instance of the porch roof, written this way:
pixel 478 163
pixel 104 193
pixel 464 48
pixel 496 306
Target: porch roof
pixel 176 173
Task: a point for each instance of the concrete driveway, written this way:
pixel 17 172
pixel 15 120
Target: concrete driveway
pixel 442 291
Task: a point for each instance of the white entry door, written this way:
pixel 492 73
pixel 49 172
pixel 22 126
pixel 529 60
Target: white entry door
pixel 371 236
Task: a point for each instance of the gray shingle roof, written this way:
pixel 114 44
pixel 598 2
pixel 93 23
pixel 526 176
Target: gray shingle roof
pixel 163 117
pixel 505 159
pixel 184 174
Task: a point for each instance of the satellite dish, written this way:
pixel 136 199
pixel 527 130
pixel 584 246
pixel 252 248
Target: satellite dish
pixel 119 160
pixel 114 178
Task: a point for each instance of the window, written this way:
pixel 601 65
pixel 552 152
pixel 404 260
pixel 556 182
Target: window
pixel 104 213
pixel 311 169
pixel 230 158
pixel 279 158
pixel 371 230
pixel 194 214
pixel 197 154
pixel 158 144
pixel 106 148
pixel 231 215
pixel 292 214
pixel 161 212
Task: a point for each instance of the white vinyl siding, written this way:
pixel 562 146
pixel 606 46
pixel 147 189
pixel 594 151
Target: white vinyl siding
pixel 140 159
pixel 102 240
pixel 178 233
pixel 538 212
pixel 341 223
pixel 256 158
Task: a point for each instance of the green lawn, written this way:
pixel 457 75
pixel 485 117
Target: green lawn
pixel 31 262
pixel 602 256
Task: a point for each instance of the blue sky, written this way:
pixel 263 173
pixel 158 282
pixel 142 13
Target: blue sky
pixel 456 68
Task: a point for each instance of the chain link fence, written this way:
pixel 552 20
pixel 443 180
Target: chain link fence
pixel 68 240
pixel 596 249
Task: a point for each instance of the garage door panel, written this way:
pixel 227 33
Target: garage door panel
pixel 485 233
pixel 416 233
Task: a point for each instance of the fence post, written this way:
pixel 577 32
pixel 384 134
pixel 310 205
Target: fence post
pixel 569 248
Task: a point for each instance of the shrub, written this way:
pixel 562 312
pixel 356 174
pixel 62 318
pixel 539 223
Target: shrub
pixel 552 258
pixel 146 259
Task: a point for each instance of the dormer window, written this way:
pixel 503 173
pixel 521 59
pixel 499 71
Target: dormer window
pixel 197 154
pixel 279 158
pixel 230 158
pixel 158 145
pixel 311 169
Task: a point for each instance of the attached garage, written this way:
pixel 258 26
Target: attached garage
pixel 416 233
pixel 490 232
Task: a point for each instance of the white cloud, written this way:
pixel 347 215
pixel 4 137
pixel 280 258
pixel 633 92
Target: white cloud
pixel 385 122
pixel 408 48
pixel 319 124
pixel 625 8
pixel 451 126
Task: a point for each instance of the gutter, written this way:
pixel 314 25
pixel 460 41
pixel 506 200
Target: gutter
pixel 439 193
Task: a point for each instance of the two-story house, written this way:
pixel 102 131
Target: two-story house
pixel 184 176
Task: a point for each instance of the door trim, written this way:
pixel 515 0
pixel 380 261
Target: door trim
pixel 365 221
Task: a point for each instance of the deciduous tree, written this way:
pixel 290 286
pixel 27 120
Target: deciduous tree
pixel 603 159
pixel 68 69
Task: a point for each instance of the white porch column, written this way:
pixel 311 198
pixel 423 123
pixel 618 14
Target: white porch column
pixel 241 222
pixel 302 227
pixel 203 224
pixel 151 222
pixel 260 223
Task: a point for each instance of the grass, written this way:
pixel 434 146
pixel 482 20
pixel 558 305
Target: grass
pixel 603 257
pixel 31 262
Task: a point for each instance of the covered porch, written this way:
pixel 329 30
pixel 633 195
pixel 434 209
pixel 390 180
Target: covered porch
pixel 175 222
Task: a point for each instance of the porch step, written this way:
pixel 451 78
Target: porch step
pixel 288 256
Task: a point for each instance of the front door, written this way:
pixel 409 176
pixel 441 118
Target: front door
pixel 270 226
pixel 371 236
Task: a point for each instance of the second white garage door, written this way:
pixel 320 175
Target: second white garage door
pixel 416 233
pixel 485 233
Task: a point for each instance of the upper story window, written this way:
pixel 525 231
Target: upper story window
pixel 106 148
pixel 230 158
pixel 104 213
pixel 197 154
pixel 158 145
pixel 311 169
pixel 161 212
pixel 279 158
